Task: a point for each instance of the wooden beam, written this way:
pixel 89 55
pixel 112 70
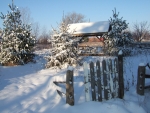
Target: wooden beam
pixel 147 76
pixel 91 54
pixel 88 34
pixel 146 87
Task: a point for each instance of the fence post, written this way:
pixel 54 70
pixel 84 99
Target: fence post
pixel 120 73
pixel 69 88
pixel 141 79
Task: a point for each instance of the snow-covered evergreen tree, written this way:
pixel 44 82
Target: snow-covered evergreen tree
pixel 118 36
pixel 64 48
pixel 17 42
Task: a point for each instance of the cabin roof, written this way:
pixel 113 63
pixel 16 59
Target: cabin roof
pixel 89 29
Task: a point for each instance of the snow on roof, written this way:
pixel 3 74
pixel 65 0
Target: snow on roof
pixel 89 28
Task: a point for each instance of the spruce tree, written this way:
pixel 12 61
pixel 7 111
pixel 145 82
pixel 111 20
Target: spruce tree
pixel 118 36
pixel 17 42
pixel 64 50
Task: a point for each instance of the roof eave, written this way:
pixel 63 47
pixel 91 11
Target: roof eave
pixel 88 34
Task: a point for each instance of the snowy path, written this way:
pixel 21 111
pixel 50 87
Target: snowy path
pixel 27 89
pixel 30 89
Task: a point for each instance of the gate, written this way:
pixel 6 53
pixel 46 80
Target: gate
pixel 104 79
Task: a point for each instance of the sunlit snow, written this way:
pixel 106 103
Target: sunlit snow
pixel 30 89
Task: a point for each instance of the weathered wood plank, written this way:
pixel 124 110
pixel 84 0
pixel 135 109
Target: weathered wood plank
pixel 111 78
pixel 105 79
pixel 92 81
pixel 147 76
pixel 69 88
pixel 99 81
pixel 86 82
pixel 146 87
pixel 141 80
pixel 121 80
pixel 108 78
pixel 62 94
pixel 116 81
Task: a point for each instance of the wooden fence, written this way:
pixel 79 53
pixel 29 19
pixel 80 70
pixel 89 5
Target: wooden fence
pixel 104 80
pixel 141 79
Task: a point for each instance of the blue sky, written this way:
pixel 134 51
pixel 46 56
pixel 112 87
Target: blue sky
pixel 49 12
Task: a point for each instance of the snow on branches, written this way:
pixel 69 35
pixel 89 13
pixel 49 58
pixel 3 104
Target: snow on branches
pixel 17 41
pixel 64 48
pixel 117 36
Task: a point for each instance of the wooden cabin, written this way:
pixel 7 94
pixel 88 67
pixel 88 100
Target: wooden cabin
pixel 92 30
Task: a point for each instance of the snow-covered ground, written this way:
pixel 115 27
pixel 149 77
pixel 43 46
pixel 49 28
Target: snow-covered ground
pixel 30 89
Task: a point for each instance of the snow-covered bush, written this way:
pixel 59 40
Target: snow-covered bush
pixel 118 36
pixel 17 42
pixel 64 48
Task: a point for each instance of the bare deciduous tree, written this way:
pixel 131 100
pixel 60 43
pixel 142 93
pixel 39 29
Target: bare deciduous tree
pixel 73 18
pixel 43 38
pixel 69 19
pixel 35 29
pixel 141 31
pixel 25 15
pixel 26 19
